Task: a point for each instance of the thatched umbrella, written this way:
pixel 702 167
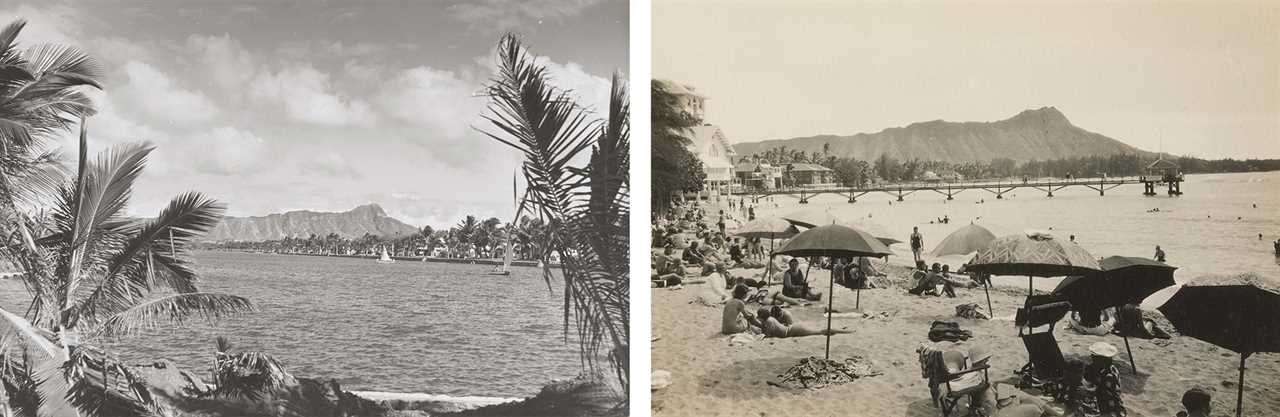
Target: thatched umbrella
pixel 834 241
pixel 1034 254
pixel 1233 312
pixel 1123 280
pixel 767 228
pixel 965 240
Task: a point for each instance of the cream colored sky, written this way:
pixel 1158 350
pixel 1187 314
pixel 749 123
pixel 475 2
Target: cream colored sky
pixel 1205 77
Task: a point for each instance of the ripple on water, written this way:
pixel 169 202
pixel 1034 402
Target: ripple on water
pixel 405 327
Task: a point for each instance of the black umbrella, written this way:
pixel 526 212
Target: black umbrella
pixel 1123 280
pixel 767 228
pixel 834 241
pixel 1233 312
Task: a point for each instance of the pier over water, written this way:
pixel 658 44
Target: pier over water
pixel 998 188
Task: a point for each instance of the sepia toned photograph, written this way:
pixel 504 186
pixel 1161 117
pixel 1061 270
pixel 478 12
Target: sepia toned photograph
pixel 980 208
pixel 314 208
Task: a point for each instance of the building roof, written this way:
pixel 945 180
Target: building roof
pixel 745 167
pixel 930 175
pixel 808 167
pixel 1162 163
pixel 706 134
pixel 679 89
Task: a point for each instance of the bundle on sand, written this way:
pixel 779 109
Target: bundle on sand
pixel 815 373
pixel 972 311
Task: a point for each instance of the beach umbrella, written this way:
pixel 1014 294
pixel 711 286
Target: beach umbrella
pixel 1233 312
pixel 767 228
pixel 1034 254
pixel 965 240
pixel 1122 280
pixel 834 241
pixel 809 219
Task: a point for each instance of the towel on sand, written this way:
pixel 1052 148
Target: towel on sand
pixel 745 338
pixel 949 331
pixel 813 372
pixel 971 311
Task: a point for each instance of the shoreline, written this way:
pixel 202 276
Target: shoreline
pixel 476 261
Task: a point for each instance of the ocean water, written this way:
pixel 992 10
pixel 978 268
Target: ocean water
pixel 435 328
pixel 1211 229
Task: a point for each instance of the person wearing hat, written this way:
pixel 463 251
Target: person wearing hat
pixel 795 285
pixel 1103 380
pixel 1196 402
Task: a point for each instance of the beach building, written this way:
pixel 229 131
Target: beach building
pixel 711 147
pixel 758 175
pixel 951 176
pixel 809 175
pixel 708 142
pixel 930 176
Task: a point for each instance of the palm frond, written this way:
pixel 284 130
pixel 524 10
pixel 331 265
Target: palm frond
pixel 154 257
pixel 248 374
pixel 586 208
pixel 176 308
pixel 13 326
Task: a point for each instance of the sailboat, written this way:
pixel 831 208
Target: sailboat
pixel 385 258
pixel 507 252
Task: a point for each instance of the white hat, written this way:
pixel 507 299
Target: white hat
pixel 1103 349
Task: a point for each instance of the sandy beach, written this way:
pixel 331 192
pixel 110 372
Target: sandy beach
pixel 711 377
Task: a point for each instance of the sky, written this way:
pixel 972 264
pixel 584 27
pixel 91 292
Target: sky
pixel 1198 78
pixel 270 106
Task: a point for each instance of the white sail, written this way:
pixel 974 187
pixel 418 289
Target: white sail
pixel 385 256
pixel 506 256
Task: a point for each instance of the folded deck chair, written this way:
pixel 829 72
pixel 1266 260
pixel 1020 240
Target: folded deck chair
pixel 1046 367
pixel 960 383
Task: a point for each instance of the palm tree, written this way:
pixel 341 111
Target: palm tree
pixel 102 278
pixel 587 207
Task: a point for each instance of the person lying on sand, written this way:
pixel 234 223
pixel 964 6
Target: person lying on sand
pixel 778 323
pixel 736 318
pixel 1091 322
pixel 667 268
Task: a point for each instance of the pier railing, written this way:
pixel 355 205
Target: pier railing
pixel 996 187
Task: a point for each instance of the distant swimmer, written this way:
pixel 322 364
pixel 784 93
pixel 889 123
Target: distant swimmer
pixel 1073 238
pixel 1255 205
pixel 1259 236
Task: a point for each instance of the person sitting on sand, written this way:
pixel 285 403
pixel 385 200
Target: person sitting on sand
pixel 735 251
pixel 1091 321
pixel 778 323
pixel 1102 380
pixel 668 268
pixel 1131 323
pixel 948 286
pixel 1196 402
pixel 736 318
pixel 695 255
pixel 1159 256
pixel 919 279
pixel 795 285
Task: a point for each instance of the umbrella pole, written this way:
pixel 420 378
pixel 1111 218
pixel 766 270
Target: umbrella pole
pixel 830 313
pixel 1131 362
pixel 1031 286
pixel 1240 392
pixel 986 284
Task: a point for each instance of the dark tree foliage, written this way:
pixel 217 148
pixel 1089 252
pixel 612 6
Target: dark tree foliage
pixel 673 168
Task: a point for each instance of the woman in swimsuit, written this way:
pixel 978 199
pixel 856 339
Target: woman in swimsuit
pixel 778 323
pixel 736 318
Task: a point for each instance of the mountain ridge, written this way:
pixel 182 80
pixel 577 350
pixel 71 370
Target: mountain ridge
pixel 368 218
pixel 1044 133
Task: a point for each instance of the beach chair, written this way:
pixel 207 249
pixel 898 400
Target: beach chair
pixel 1046 367
pixel 960 384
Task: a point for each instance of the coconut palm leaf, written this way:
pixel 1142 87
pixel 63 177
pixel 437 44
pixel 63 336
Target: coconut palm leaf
pixel 585 207
pixel 153 257
pixel 175 308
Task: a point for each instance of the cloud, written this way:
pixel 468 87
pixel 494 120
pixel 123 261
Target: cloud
pixel 55 24
pixel 227 151
pixel 158 98
pixel 434 99
pixel 332 165
pixel 590 91
pixel 306 96
pixel 227 65
pixel 506 15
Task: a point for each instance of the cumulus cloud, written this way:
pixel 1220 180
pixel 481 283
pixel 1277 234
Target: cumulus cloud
pixel 227 151
pixel 434 99
pixel 306 95
pixel 156 97
pixel 227 65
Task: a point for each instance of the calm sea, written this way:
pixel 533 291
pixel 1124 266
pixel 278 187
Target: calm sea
pixel 435 328
pixel 1211 229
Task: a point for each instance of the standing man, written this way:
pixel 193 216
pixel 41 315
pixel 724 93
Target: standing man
pixel 720 222
pixel 917 243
